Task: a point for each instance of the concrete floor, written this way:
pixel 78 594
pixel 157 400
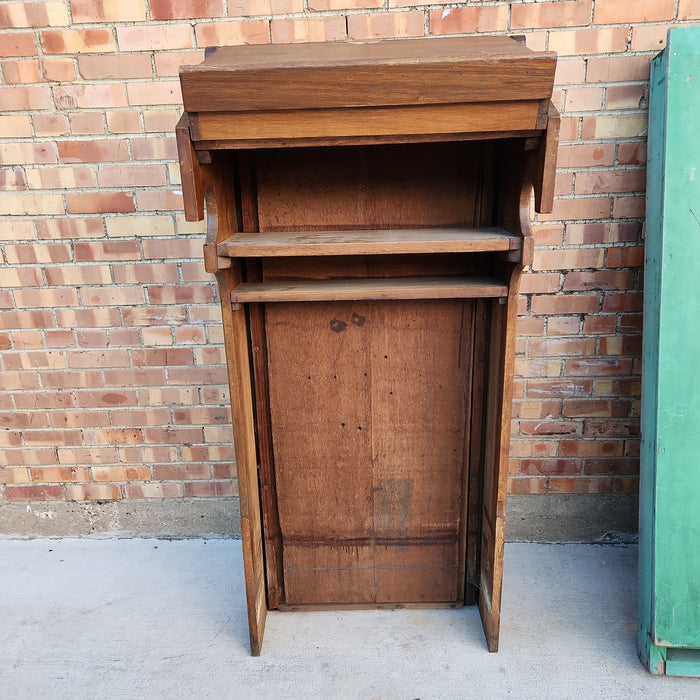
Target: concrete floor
pixel 86 618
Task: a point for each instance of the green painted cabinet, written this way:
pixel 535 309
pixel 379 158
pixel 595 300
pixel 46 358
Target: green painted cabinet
pixel 669 527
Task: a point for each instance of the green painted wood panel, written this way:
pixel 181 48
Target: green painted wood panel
pixel 669 573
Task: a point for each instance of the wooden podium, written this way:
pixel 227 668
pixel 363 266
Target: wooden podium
pixel 368 222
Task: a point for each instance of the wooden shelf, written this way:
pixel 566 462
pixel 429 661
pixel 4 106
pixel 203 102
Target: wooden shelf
pixel 362 288
pixel 393 242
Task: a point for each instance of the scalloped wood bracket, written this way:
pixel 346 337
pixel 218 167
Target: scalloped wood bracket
pixel 190 172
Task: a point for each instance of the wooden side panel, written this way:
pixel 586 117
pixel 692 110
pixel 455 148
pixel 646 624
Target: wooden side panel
pixel 190 172
pixel 368 410
pixel 496 454
pixel 222 223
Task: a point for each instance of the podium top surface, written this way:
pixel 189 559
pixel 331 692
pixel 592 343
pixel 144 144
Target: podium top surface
pixel 366 74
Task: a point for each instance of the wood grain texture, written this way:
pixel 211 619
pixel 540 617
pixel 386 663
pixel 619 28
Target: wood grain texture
pixel 368 407
pixel 357 289
pixel 190 172
pixel 382 242
pixel 406 72
pixel 220 202
pixel 416 120
pixel 362 187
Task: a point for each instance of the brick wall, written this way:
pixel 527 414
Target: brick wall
pixel 113 378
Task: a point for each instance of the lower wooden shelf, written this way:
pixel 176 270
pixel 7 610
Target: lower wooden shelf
pixel 367 289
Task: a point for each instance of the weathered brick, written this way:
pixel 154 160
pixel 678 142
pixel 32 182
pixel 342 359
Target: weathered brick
pixel 166 490
pixel 527 485
pixel 58 69
pixel 59 474
pixel 121 473
pixel 93 492
pixel 382 25
pixel 88 11
pixel 87 455
pixel 124 121
pixel 576 42
pixel 94 151
pixel 181 472
pixel 60 178
pixel 248 8
pixel 185 9
pixel 211 489
pixel 551 14
pixel 305 29
pixel 232 33
pixel 164 92
pixel 154 37
pixel 468 20
pixel 115 67
pixel 688 9
pixel 579 485
pixel 24 71
pixel 598 280
pixel 160 120
pixel 18 44
pixel 34 493
pixel 99 202
pixel 75 41
pixel 547 467
pixel 629 11
pixel 131 175
pixel 70 228
pixel 50 124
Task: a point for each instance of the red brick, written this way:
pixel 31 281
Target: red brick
pixel 121 473
pixel 87 318
pixel 688 9
pixel 561 347
pixel 597 367
pixel 154 376
pixel 383 25
pixel 77 41
pixel 578 208
pixel 57 474
pixel 152 148
pixel 52 437
pixel 148 454
pixel 167 490
pixel 468 20
pixel 599 280
pixel 15 125
pixel 115 67
pixel 60 178
pixel 185 9
pixel 94 399
pixel 634 153
pixel 70 228
pixel 114 436
pixel 88 11
pixel 25 71
pixel 306 29
pixel 211 489
pixel 611 467
pixel 591 448
pixel 95 151
pixel 79 419
pixel 620 345
pixel 547 467
pixel 87 455
pixel 550 14
pixel 579 485
pixel 162 357
pixel 561 388
pixel 34 493
pixel 18 44
pixel 602 181
pixel 565 304
pixel 99 202
pixel 615 69
pixel 159 200
pixel 155 315
pixel 93 492
pixel 164 92
pixel 611 429
pixel 527 485
pixel 86 359
pixel 546 427
pixel 124 121
pixel 236 33
pixel 133 274
pixel 168 62
pixel 585 155
pixel 38 253
pixel 58 69
pixel 629 11
pixel 618 126
pixel 624 301
pixel 632 256
pixel 45 298
pixel 154 37
pixel 160 120
pixel 595 408
pixel 248 8
pixel 25 98
pixel 568 259
pixel 180 294
pixel 50 124
pixel 626 485
pixel 131 175
pixel 180 472
pixel 593 325
pixel 112 296
pixel 225 471
pixel 576 42
pixel 19 475
pixel 586 234
pixel 629 207
pixel 198 453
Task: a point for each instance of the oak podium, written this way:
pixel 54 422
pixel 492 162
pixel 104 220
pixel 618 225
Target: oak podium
pixel 368 209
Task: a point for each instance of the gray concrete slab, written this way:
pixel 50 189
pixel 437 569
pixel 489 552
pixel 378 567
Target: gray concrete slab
pixel 88 618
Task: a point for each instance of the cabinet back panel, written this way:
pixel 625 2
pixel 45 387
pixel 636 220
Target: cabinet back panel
pixel 368 404
pixel 364 187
